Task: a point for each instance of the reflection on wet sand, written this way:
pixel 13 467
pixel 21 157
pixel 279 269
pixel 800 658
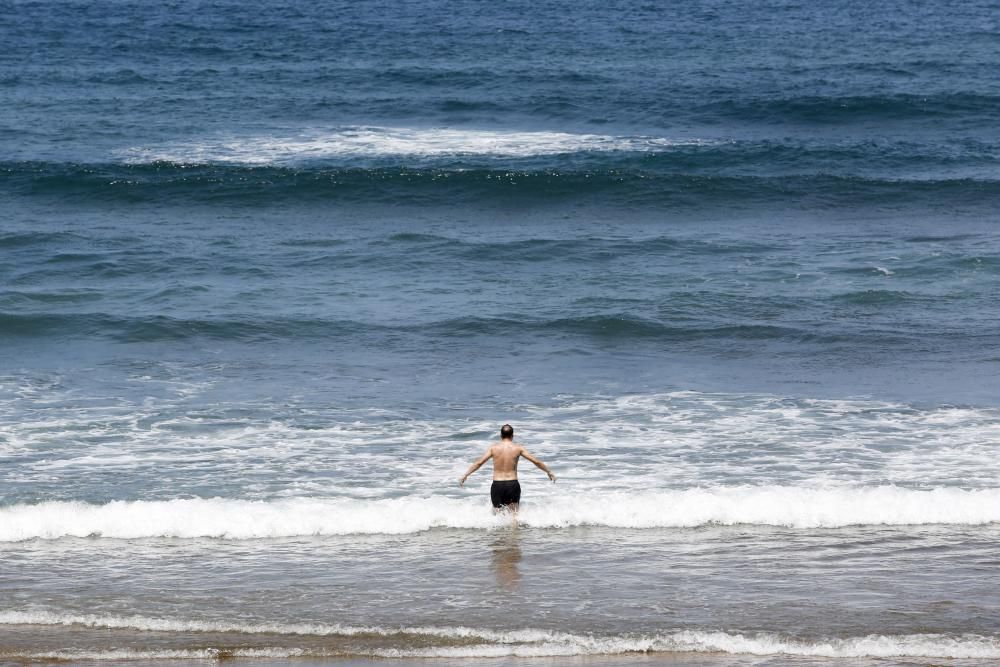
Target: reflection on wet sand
pixel 506 556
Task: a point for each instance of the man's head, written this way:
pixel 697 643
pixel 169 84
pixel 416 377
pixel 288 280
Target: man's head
pixel 507 432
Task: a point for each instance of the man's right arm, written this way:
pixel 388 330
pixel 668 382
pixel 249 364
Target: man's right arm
pixel 475 466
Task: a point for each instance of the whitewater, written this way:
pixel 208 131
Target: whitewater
pixel 237 519
pixel 524 643
pixel 334 145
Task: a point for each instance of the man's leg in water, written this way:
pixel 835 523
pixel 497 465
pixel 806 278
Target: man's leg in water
pixel 511 510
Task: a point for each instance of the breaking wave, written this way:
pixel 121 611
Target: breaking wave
pixel 368 142
pixel 787 506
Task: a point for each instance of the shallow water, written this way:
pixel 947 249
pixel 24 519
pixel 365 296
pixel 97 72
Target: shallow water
pixel 522 592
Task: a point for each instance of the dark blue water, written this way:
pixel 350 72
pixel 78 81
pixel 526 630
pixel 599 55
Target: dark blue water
pixel 732 269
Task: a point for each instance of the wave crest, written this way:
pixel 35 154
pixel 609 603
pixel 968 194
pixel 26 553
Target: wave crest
pixel 376 142
pixel 793 507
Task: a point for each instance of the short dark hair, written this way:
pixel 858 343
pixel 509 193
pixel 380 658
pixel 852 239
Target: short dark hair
pixel 507 432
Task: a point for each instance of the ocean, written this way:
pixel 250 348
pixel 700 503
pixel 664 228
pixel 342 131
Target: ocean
pixel 272 275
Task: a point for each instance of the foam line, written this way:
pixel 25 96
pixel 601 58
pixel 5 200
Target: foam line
pixel 795 507
pixel 377 142
pixel 527 642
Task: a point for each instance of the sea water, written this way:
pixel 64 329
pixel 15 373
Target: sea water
pixel 272 275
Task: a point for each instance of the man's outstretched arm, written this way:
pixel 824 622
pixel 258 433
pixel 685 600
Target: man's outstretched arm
pixel 475 466
pixel 538 462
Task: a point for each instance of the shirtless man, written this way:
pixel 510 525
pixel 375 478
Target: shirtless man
pixel 506 490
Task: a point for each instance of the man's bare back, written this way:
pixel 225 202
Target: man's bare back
pixel 506 491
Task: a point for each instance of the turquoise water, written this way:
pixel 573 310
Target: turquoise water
pixel 272 276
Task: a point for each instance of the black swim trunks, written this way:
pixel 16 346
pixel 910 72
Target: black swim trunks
pixel 505 492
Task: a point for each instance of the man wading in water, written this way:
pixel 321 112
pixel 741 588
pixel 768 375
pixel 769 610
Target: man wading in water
pixel 506 491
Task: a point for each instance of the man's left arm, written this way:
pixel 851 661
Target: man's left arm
pixel 538 462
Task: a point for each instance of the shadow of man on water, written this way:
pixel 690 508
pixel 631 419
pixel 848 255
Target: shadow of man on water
pixel 506 557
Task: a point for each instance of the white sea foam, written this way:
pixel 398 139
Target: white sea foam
pixel 526 642
pixel 123 654
pixel 375 142
pixel 638 444
pixel 764 644
pixel 179 625
pixel 794 507
pixel 151 624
